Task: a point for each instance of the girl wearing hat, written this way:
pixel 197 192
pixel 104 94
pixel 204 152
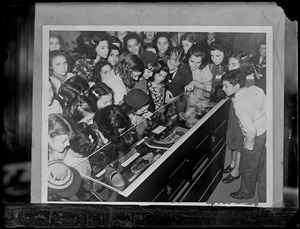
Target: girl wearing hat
pixel 136 104
pixel 64 182
pixel 151 65
pixel 60 132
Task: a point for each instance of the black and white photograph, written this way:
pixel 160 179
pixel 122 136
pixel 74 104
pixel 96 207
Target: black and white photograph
pixel 148 114
pixel 120 113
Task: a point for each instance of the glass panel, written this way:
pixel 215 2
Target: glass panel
pixel 132 154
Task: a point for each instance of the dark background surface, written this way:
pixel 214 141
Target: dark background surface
pixel 17 73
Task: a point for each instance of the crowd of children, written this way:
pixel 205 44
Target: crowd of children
pixel 109 81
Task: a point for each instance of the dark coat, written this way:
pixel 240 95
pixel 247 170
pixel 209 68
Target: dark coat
pixel 182 77
pixel 260 68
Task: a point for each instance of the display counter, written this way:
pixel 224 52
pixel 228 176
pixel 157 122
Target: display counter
pixel 179 158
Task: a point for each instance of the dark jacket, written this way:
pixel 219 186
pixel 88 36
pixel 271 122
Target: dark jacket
pixel 260 68
pixel 182 77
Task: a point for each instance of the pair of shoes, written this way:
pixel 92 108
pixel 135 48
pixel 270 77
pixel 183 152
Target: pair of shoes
pixel 114 178
pixel 230 178
pixel 239 196
pixel 228 169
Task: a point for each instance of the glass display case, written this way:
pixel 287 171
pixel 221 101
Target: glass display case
pixel 171 134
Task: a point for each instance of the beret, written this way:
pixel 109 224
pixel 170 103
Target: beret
pixel 148 57
pixel 136 98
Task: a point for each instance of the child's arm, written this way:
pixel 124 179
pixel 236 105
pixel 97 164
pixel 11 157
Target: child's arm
pixel 247 125
pixel 193 84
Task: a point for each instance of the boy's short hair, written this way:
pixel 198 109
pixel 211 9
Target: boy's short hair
pixel 236 76
pixel 131 35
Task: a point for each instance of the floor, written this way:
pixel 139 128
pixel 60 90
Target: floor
pixel 221 194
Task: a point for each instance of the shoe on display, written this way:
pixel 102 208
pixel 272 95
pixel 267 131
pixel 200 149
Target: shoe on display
pixel 114 178
pixel 142 163
pixel 157 145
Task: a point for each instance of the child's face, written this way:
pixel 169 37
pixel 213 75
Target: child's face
pixel 51 94
pixel 142 110
pixel 233 63
pixel 133 46
pixel 111 33
pixel 136 75
pixel 113 57
pixel 59 142
pixel 88 118
pixel 162 44
pixel 147 73
pixel 102 49
pixel 54 44
pixel 195 62
pixel 104 101
pixel 217 56
pixel 60 65
pixel 121 35
pixel 160 76
pixel 262 50
pixel 186 46
pixel 105 71
pixel 172 63
pixel 211 36
pixel 150 34
pixel 230 89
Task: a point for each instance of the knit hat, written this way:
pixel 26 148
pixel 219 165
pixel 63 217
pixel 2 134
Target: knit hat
pixel 63 180
pixel 136 98
pixel 148 57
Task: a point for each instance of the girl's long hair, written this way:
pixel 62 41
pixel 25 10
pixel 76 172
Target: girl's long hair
pixel 197 51
pixel 128 63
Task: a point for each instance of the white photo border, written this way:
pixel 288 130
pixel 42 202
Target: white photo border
pixel 268 30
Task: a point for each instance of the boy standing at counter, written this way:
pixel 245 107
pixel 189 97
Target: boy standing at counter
pixel 249 106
